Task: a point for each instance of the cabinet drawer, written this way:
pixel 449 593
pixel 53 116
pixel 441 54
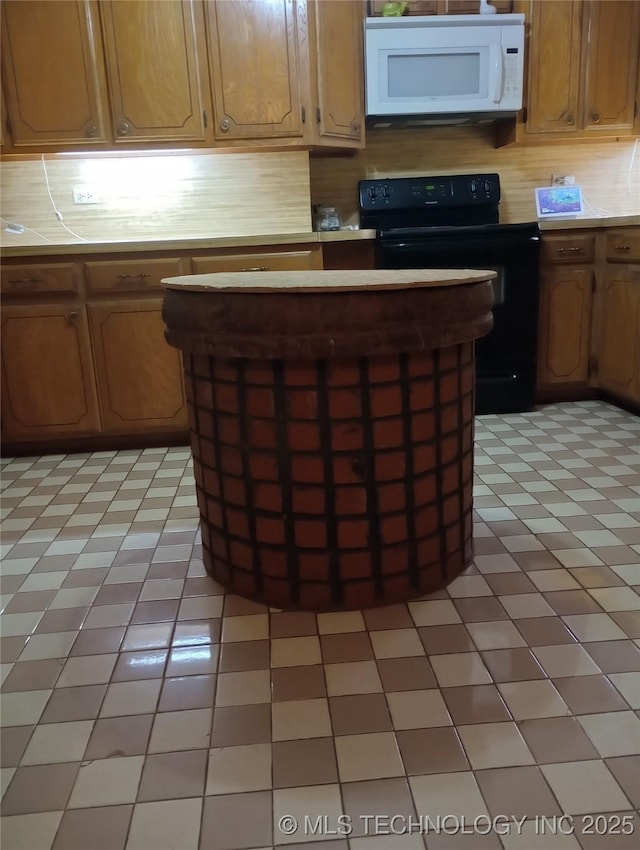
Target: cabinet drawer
pixel 623 245
pixel 568 249
pixel 130 275
pixel 35 278
pixel 260 262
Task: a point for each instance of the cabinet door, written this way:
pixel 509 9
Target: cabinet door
pixel 612 39
pixel 619 342
pixel 48 387
pixel 139 375
pixel 153 61
pixel 565 325
pixel 554 66
pixel 53 71
pixel 254 69
pixel 340 76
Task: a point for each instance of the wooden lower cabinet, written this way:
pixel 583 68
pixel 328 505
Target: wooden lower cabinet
pixel 139 376
pixel 564 325
pixel 618 344
pixel 48 387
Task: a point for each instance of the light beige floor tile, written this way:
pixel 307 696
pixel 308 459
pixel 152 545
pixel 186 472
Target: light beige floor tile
pixel 87 670
pixel 150 636
pixel 418 709
pixel 6 775
pixel 249 627
pixel 167 825
pixel 532 836
pixel 353 677
pixel 435 612
pixel 396 643
pixel 385 841
pixel 554 580
pixel 459 668
pixel 369 756
pixel 527 700
pixel 494 745
pixel 162 589
pixel 296 719
pixel 576 558
pixel 40 647
pixel 522 605
pixel 124 698
pixel 468 586
pixel 239 769
pixel 591 627
pixel 501 563
pixel 616 598
pixel 615 733
pixel 181 730
pixel 19 624
pixel 294 651
pixel 107 782
pixel 585 787
pixel 498 634
pixel 58 742
pixel 22 708
pixel 306 805
pixel 565 660
pixel 205 608
pixel 339 622
pixel 243 688
pixel 629 686
pixel 74 597
pixel 30 832
pixel 629 573
pixel 445 793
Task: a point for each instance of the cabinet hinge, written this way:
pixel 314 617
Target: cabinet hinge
pixel 318 115
pixel 593 365
pixel 525 115
pixel 304 115
pixel 205 118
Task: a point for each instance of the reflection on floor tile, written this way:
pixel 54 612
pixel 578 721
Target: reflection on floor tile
pixel 145 709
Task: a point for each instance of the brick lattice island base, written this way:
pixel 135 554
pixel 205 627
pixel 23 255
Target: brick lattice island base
pixel 331 419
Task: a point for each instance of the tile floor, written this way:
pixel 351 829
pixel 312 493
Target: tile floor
pixel 144 709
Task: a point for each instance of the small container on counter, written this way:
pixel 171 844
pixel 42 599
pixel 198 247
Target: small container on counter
pixel 327 218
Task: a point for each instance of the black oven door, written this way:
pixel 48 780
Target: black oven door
pixel 506 358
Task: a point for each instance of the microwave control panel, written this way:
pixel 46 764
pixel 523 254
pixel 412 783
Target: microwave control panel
pixel 404 193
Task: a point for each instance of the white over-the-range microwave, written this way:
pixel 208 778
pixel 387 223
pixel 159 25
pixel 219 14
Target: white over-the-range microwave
pixel 443 69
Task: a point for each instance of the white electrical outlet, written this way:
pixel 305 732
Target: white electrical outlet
pixel 563 180
pixel 86 195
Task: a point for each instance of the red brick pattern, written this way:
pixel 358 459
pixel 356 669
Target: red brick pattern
pixel 334 484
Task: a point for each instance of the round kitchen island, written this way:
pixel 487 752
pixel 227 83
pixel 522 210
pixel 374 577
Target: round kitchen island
pixel 331 417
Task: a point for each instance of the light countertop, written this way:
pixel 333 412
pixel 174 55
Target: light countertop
pixel 204 243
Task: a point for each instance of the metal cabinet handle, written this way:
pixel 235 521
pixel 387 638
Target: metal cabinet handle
pixel 91 131
pixel 596 117
pixel 256 269
pixel 623 248
pixel 570 250
pixel 569 119
pixel 72 318
pixel 140 274
pixel 225 124
pixel 25 280
pixel 356 129
pixel 124 128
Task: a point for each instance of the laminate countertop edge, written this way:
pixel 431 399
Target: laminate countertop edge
pixel 183 244
pixel 307 237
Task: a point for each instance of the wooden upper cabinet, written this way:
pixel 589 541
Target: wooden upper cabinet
pixel 337 71
pixel 611 34
pixel 254 68
pixel 554 66
pixel 53 72
pixel 156 69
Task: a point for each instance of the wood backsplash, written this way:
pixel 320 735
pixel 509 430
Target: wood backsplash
pixel 608 173
pixel 157 196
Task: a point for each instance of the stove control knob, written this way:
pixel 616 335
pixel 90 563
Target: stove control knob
pixel 487 187
pixel 473 186
pixel 386 192
pixel 372 192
